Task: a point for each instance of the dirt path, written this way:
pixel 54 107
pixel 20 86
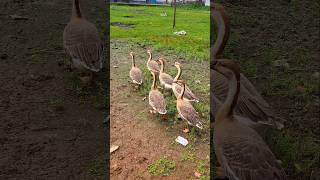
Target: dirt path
pixel 46 132
pixel 143 138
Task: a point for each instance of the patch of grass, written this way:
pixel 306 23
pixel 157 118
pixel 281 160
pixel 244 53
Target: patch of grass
pixel 203 170
pixel 188 155
pixel 56 101
pixel 97 95
pixel 162 167
pixel 154 30
pixel 299 154
pixel 96 168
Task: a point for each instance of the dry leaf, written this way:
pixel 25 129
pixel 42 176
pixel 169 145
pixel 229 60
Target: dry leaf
pixel 114 148
pixel 186 130
pixel 197 174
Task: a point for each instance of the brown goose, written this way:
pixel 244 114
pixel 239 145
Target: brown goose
pixel 241 152
pixel 152 65
pixel 135 72
pixel 176 87
pixel 186 110
pixel 82 42
pixel 156 99
pixel 165 79
pixel 253 109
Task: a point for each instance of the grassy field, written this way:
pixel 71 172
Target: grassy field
pixel 152 29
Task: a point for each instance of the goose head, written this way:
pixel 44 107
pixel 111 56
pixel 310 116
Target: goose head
pixel 227 67
pixel 177 65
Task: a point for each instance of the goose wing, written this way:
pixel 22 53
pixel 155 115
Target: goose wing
pixel 250 103
pixel 188 94
pixel 136 75
pixel 82 42
pixel 188 113
pixel 157 101
pixel 153 66
pixel 248 158
pixel 166 78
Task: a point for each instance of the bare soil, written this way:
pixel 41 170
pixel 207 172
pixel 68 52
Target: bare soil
pixel 144 138
pixel 46 132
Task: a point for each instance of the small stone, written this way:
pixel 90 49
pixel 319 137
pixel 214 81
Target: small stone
pixel 115 66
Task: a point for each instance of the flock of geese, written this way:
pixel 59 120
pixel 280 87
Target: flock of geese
pixel 179 88
pixel 238 110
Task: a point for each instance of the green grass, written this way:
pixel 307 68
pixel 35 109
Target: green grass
pixel 152 29
pixel 162 167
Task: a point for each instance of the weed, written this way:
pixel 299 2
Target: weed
pixel 162 167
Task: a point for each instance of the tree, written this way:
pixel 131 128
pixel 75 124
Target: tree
pixel 174 13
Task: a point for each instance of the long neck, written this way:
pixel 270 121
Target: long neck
pixel 76 10
pixel 223 24
pixel 162 66
pixel 231 100
pixel 182 91
pixel 178 75
pixel 154 84
pixel 150 56
pixel 133 61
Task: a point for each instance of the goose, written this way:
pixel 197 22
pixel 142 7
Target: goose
pixel 186 110
pixel 241 152
pixel 253 109
pixel 156 99
pixel 176 87
pixel 152 65
pixel 82 43
pixel 165 79
pixel 135 73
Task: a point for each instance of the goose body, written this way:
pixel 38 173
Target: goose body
pixel 255 110
pixel 152 65
pixel 177 88
pixel 156 99
pixel 186 110
pixel 241 152
pixel 135 73
pixel 82 42
pixel 165 79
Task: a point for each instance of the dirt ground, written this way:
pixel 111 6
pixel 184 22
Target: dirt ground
pixel 143 138
pixel 46 132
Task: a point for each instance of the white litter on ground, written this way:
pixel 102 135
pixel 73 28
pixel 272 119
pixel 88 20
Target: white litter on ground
pixel 180 33
pixel 182 141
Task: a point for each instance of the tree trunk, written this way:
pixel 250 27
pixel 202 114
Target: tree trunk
pixel 174 13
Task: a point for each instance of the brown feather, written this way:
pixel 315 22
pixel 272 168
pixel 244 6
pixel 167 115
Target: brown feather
pixel 157 101
pixel 136 75
pixel 82 42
